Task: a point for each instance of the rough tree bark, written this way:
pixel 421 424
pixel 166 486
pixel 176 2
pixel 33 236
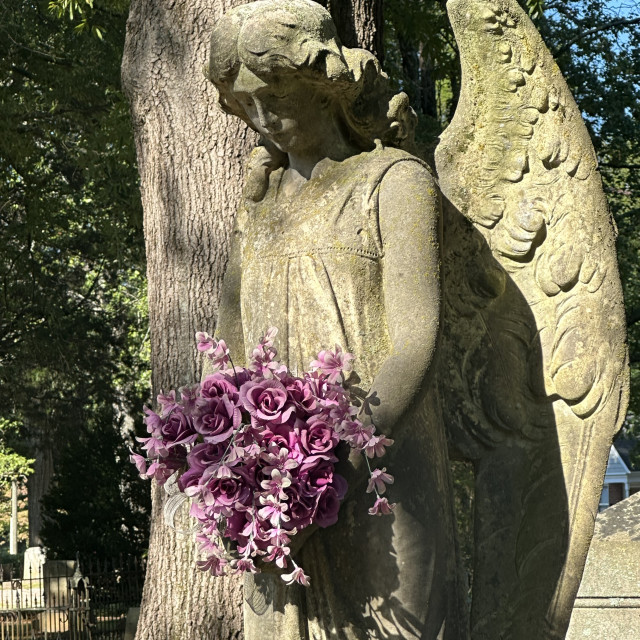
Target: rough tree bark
pixel 359 23
pixel 37 487
pixel 190 158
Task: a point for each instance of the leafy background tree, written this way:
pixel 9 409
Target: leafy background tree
pixel 73 319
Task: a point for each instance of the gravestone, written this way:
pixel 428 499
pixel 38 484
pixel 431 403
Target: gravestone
pixel 608 602
pixel 34 559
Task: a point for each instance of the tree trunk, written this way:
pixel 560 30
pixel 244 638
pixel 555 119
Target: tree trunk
pixel 359 23
pixel 190 158
pixel 37 486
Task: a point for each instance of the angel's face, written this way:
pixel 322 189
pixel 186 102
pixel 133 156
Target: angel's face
pixel 290 114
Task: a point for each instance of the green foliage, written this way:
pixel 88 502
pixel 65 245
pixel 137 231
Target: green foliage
pixel 73 318
pixel 13 466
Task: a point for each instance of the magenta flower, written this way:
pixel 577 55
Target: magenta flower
pixel 214 564
pixel 378 481
pixel 266 400
pixel 297 575
pixel 255 450
pixel 177 429
pixel 277 484
pixel 333 363
pixel 217 385
pixel 327 509
pixel 216 418
pixel 140 462
pixel 376 446
pixel 318 437
pixel 301 395
pixel 381 507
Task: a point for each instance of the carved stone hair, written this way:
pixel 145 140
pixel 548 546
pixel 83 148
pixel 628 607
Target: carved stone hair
pixel 298 36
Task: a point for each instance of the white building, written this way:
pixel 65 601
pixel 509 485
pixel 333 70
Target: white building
pixel 621 479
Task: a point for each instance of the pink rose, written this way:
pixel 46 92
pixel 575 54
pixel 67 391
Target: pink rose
pixel 318 436
pixel 177 429
pixel 327 509
pixel 217 385
pixel 266 401
pixel 216 419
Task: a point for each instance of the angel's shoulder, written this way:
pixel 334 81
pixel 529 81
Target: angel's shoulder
pixel 394 169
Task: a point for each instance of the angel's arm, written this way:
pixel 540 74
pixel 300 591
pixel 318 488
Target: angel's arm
pixel 409 214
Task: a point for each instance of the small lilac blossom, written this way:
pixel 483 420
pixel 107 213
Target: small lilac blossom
pixel 376 446
pixel 378 481
pixel 140 462
pixel 155 447
pixel 297 575
pixel 204 340
pixel 244 565
pixel 381 507
pixel 167 402
pixel 274 511
pixel 276 486
pixel 278 554
pixel 214 564
pixel 333 363
pixel 153 422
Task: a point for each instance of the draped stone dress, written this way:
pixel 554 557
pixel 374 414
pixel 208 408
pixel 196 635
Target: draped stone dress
pixel 313 267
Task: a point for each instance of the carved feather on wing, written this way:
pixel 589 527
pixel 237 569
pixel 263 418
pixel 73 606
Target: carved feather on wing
pixel 534 351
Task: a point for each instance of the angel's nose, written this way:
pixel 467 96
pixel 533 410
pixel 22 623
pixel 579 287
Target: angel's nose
pixel 268 120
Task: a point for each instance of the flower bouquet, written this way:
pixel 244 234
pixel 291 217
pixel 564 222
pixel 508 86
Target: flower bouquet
pixel 255 450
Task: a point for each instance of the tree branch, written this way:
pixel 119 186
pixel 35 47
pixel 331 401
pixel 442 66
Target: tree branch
pixel 620 22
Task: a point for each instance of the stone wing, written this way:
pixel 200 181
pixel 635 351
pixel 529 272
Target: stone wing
pixel 533 370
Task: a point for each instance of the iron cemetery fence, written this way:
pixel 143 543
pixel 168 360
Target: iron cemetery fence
pixel 70 600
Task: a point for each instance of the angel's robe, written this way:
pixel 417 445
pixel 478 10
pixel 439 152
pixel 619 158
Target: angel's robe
pixel 312 266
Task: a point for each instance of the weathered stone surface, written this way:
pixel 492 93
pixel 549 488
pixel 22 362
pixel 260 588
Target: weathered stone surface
pixel 534 365
pixel 608 602
pixel 34 559
pixel 339 241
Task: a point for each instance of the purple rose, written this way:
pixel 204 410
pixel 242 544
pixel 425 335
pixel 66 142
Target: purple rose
pixel 315 476
pixel 216 419
pixel 266 401
pixel 302 507
pixel 285 435
pixel 327 509
pixel 301 394
pixel 225 492
pixel 177 429
pixel 205 454
pixel 318 436
pixel 189 480
pixel 216 385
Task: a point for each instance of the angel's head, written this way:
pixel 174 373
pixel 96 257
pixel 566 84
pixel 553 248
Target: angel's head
pixel 271 58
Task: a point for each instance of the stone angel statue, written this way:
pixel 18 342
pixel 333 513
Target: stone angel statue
pixel 483 307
